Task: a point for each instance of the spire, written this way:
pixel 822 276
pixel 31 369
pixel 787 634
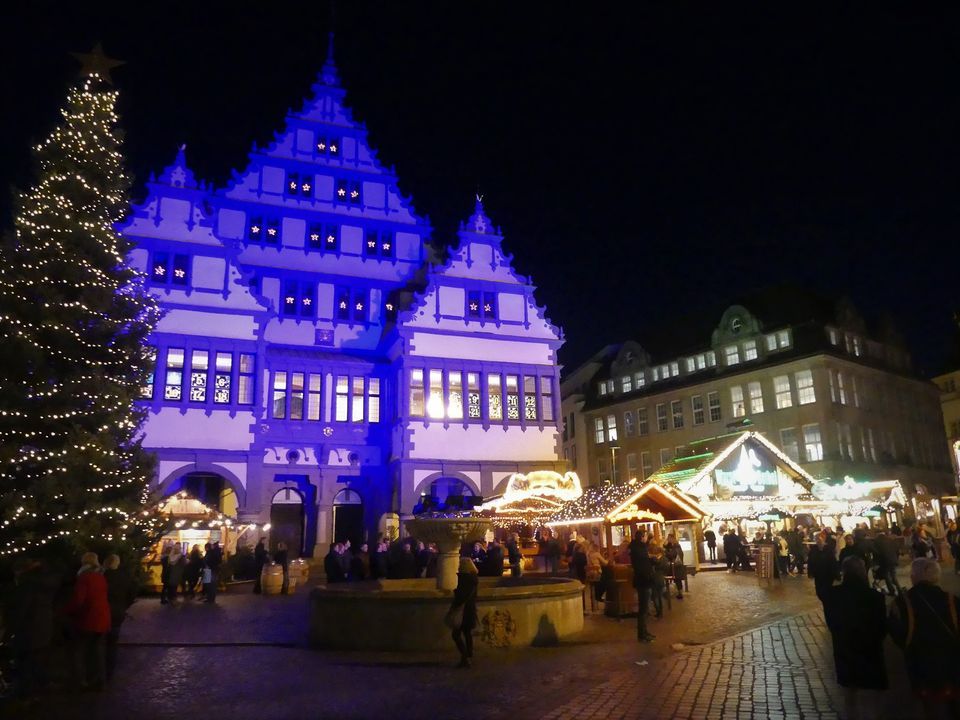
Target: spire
pixel 178 174
pixel 328 74
pixel 479 222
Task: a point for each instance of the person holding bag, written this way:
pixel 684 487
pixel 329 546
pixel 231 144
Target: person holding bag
pixel 461 618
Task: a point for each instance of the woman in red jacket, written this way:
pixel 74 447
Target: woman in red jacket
pixel 89 611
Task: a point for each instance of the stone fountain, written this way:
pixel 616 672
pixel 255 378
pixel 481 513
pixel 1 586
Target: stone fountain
pixel 448 534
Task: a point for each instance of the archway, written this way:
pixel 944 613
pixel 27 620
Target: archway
pixel 348 517
pixel 213 490
pixel 449 492
pixel 287 520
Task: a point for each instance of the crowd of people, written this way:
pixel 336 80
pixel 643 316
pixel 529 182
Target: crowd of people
pixel 49 610
pixel 190 573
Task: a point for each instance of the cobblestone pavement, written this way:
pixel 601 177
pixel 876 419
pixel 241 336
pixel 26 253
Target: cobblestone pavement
pixel 750 651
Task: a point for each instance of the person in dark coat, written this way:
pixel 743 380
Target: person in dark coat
pixel 848 549
pixel 406 563
pixel 642 581
pixel 89 612
pixel 360 564
pixel 213 560
pixel 886 558
pixel 165 572
pixel 514 556
pixel 731 550
pixel 674 555
pixel 332 565
pixel 194 570
pixel 856 617
pixel 822 567
pixel 711 538
pixel 346 558
pixel 259 560
pixel 552 553
pixel 121 593
pixel 924 624
pixel 578 563
pixel 31 622
pixel 465 596
pixel 379 567
pixel 493 565
pixel 478 555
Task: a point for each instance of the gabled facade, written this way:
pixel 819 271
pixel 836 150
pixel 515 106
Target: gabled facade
pixel 306 326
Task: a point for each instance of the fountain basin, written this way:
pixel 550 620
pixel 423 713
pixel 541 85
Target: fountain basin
pixel 408 614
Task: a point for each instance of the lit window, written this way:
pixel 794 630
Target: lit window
pixel 222 378
pixel 805 391
pixel 529 397
pixel 713 403
pixel 298 299
pixel 610 385
pixel 146 390
pixel 513 397
pixel 473 395
pixel 854 391
pixel 599 434
pixel 347 191
pixel 643 424
pixel 373 400
pixel 327 145
pixel 711 359
pixel 245 379
pixel 356 399
pixel 296 396
pixel 612 428
pixel 173 387
pixel 841 390
pixel 676 410
pixel 639 380
pixel 170 269
pixel 834 340
pixel 812 444
pixel 314 396
pixel 482 304
pixel 701 361
pixel 494 398
pixel 871 445
pixel 378 244
pixel 656 374
pixel 435 398
pixel 416 392
pixel 602 388
pixel 342 404
pixel 626 384
pixel 750 350
pixel 771 343
pixel 732 354
pixel 674 369
pixel 280 395
pixel 324 237
pixel 263 231
pixel 696 403
pixel 628 425
pixel 736 401
pixel 781 390
pixel 661 417
pixel 783 339
pixel 299 184
pixel 691 364
pixel 756 397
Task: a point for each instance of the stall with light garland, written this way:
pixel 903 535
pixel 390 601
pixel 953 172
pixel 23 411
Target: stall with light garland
pixel 744 480
pixel 611 514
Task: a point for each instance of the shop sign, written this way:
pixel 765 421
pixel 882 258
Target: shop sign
pixel 769 518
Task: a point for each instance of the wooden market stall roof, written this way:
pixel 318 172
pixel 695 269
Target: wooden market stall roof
pixel 619 503
pixel 686 473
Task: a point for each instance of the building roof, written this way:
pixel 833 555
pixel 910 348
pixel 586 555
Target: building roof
pixel 614 502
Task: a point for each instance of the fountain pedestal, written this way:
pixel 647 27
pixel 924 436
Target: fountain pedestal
pixel 448 534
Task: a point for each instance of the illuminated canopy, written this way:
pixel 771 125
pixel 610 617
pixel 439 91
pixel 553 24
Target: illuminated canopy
pixel 632 502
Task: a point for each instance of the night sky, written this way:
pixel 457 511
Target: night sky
pixel 645 167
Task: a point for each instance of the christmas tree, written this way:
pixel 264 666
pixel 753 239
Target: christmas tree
pixel 73 322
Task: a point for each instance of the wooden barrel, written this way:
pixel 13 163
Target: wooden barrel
pixel 298 571
pixel 304 569
pixel 271 579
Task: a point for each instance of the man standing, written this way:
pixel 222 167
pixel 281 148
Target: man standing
pixel 642 581
pixel 514 556
pixel 213 560
pixel 259 560
pixel 711 537
pixel 731 550
pixel 822 567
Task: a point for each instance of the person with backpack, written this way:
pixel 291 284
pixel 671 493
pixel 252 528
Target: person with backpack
pixel 924 623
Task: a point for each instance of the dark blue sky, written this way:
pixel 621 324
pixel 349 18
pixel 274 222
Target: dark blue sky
pixel 645 164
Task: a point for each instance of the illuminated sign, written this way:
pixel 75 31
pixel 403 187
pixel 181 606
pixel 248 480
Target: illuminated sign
pixel 747 473
pixel 769 518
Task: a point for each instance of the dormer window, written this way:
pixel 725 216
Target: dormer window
pixel 262 230
pixel 482 305
pixel 378 244
pixel 750 350
pixel 328 145
pixel 299 184
pixel 323 237
pixel 170 269
pixel 348 192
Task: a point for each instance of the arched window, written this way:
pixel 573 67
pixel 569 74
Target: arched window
pixel 442 488
pixel 347 497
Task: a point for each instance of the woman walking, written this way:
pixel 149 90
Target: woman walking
pixel 462 616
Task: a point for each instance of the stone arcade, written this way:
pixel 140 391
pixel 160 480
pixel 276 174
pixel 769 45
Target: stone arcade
pixel 318 367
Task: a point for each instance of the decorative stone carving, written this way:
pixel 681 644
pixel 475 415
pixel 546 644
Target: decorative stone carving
pixel 498 628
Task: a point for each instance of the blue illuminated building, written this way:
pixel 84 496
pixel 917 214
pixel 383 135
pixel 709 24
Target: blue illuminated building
pixel 317 366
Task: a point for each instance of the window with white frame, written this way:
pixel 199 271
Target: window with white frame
pixel 832 333
pixel 674 369
pixel 771 343
pixel 661 417
pixel 494 398
pixel 626 384
pixel 738 407
pixel 676 410
pixel 639 380
pixel 643 425
pixel 701 361
pixel 756 397
pixel 628 425
pixel 691 366
pixel 781 392
pixel 599 434
pixel 841 390
pixel 854 391
pixel 845 440
pixel 696 404
pixel 631 466
pixel 732 355
pixel 812 443
pixel 711 359
pixel 655 372
pixel 602 388
pixel 646 464
pixel 783 339
pixel 666 455
pixel 610 386
pixel 713 403
pixel 831 377
pixel 805 391
pixel 612 428
pixel 790 444
pixel 750 350
pixel 342 405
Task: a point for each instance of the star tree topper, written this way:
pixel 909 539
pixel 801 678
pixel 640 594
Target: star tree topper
pixel 96 63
